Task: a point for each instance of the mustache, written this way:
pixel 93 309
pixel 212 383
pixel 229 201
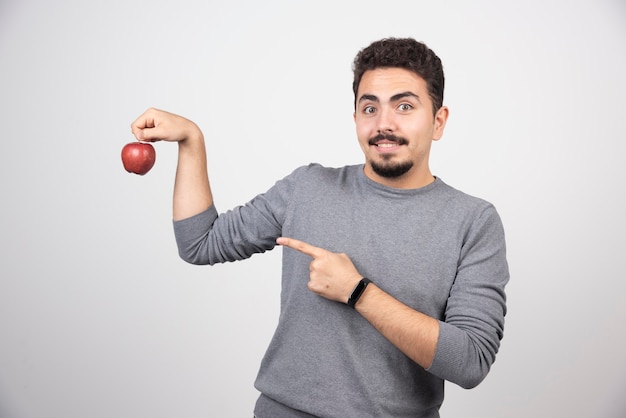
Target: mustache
pixel 388 137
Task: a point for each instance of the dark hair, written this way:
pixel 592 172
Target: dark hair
pixel 404 53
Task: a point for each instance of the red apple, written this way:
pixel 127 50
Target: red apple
pixel 138 157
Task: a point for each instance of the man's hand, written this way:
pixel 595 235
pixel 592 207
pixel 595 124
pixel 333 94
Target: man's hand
pixel 158 125
pixel 333 275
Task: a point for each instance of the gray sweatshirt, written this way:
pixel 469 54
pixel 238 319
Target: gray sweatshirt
pixel 436 249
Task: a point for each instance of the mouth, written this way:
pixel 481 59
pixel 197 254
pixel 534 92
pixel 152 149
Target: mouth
pixel 386 143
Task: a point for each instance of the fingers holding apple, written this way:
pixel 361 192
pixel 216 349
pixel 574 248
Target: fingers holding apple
pixel 158 125
pixel 138 157
pixel 152 126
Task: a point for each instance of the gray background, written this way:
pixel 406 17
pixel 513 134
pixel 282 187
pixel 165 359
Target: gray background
pixel 99 317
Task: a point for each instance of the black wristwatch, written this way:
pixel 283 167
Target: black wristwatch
pixel 358 291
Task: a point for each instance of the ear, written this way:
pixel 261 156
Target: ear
pixel 441 117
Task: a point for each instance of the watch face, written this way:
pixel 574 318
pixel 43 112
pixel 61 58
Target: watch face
pixel 358 289
pixel 356 293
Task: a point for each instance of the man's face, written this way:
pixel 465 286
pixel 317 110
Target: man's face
pixel 395 127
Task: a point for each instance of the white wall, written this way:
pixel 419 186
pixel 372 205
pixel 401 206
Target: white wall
pixel 99 317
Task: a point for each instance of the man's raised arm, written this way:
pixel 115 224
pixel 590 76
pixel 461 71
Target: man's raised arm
pixel 192 192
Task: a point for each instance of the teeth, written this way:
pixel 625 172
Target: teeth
pixel 386 145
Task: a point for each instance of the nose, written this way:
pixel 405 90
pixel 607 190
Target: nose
pixel 385 122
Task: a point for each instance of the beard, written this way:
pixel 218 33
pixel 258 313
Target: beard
pixel 391 170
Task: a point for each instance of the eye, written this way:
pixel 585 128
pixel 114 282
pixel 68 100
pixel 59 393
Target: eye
pixel 369 110
pixel 404 107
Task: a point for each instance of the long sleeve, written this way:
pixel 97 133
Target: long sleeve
pixel 209 238
pixel 473 326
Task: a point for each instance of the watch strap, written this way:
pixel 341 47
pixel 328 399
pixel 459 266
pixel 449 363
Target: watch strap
pixel 358 291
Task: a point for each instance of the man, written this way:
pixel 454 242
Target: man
pixel 392 282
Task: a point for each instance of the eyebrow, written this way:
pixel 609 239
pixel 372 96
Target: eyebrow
pixel 393 98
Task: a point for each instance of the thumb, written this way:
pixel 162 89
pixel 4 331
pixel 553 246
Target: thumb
pixel 149 134
pixel 138 134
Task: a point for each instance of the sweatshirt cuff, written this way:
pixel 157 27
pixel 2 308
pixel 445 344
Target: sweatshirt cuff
pixel 455 360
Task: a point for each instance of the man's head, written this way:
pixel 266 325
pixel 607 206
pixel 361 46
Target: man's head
pixel 398 110
pixel 404 53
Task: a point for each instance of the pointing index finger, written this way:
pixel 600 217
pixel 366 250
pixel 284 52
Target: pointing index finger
pixel 301 246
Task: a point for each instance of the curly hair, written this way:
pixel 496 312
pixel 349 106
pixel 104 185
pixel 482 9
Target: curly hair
pixel 404 53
